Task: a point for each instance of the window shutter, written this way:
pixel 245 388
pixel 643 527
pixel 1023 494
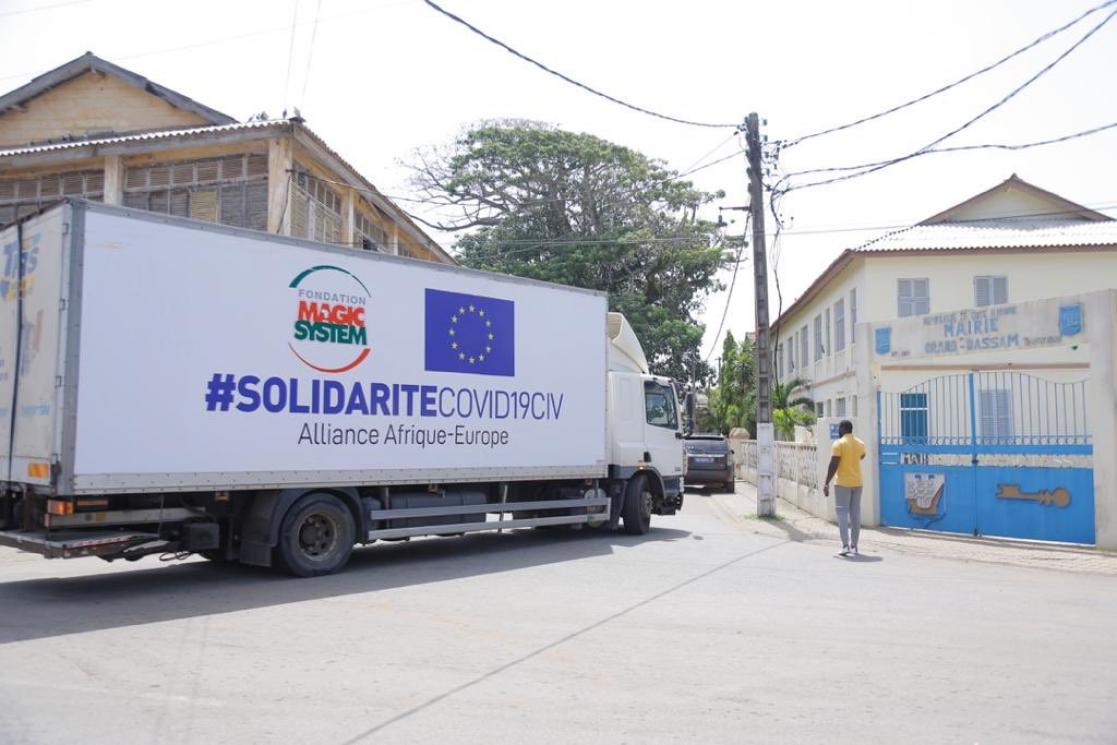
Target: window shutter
pixel 232 205
pixel 1000 290
pixel 256 206
pixel 180 203
pixel 203 205
pixel 981 291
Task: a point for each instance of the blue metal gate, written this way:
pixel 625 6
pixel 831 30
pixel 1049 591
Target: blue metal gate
pixel 988 453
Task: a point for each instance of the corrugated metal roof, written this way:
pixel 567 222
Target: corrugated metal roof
pixel 1005 234
pixel 138 137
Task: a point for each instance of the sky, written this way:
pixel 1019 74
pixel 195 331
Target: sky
pixel 378 79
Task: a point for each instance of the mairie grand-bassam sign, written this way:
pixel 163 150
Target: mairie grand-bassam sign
pixel 1044 323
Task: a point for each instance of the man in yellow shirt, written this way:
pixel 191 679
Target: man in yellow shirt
pixel 845 461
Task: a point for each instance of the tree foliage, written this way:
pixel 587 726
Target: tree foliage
pixel 788 412
pixel 733 400
pixel 536 201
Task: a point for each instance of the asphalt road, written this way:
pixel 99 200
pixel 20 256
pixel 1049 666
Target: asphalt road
pixel 700 632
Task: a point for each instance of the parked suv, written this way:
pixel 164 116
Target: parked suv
pixel 709 461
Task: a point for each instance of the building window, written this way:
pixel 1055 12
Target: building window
pixel 315 209
pixel 853 316
pixel 791 354
pixel 990 290
pixel 839 325
pixel 853 406
pixel 820 409
pixel 818 349
pixel 231 191
pixel 21 197
pixel 914 297
pixel 826 332
pixel 839 407
pixel 368 234
pixel 804 345
pixel 995 407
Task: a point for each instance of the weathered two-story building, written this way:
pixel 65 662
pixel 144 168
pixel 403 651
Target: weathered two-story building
pixel 94 130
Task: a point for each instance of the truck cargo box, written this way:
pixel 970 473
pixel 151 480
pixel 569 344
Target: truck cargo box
pixel 140 352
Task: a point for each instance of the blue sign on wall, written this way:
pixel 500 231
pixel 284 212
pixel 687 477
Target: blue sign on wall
pixel 1070 319
pixel 834 432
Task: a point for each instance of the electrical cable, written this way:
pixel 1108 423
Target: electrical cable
pixel 949 86
pixel 290 52
pixel 21 11
pixel 990 109
pixel 966 148
pixel 566 78
pixel 728 298
pixel 310 52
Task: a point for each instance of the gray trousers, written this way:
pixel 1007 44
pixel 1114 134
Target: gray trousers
pixel 847 503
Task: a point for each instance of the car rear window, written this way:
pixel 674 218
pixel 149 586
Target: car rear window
pixel 716 447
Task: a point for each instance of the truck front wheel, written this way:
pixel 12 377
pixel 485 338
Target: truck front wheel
pixel 637 511
pixel 316 536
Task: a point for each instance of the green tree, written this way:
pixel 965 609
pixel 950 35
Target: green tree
pixel 536 201
pixel 788 412
pixel 733 400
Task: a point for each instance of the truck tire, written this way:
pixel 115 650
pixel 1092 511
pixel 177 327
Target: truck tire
pixel 316 536
pixel 637 511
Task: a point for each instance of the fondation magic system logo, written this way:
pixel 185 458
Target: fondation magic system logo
pixel 330 332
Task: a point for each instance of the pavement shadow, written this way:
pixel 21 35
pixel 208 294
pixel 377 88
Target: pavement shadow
pixel 863 559
pixel 43 608
pixel 788 527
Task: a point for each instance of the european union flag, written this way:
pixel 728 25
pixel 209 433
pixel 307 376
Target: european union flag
pixel 470 334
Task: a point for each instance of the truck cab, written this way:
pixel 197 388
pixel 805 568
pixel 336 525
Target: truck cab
pixel 645 435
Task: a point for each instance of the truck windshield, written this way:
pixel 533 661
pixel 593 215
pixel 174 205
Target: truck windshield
pixel 659 405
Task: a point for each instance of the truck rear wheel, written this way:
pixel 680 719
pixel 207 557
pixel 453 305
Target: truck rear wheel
pixel 316 536
pixel 637 511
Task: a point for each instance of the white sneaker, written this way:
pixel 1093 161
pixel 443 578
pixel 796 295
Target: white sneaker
pixel 844 552
pixel 854 551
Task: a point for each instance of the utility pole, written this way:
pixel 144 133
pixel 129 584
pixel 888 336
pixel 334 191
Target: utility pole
pixel 765 483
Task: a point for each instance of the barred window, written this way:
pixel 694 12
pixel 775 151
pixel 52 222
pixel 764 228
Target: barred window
pixel 231 190
pixel 21 197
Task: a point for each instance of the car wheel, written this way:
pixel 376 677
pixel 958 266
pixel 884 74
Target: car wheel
pixel 637 512
pixel 316 536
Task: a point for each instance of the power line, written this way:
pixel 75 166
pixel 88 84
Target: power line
pixel 566 78
pixel 923 150
pixel 949 86
pixel 310 53
pixel 728 298
pixel 43 7
pixel 221 39
pixel 966 148
pixel 719 146
pixel 290 52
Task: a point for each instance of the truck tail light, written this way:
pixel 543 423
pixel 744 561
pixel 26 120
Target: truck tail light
pixel 60 507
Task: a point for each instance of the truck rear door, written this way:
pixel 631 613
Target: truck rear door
pixel 31 339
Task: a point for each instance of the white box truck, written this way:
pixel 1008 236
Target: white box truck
pixel 172 386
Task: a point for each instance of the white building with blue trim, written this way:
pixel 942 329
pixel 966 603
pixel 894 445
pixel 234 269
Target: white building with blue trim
pixel 975 353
